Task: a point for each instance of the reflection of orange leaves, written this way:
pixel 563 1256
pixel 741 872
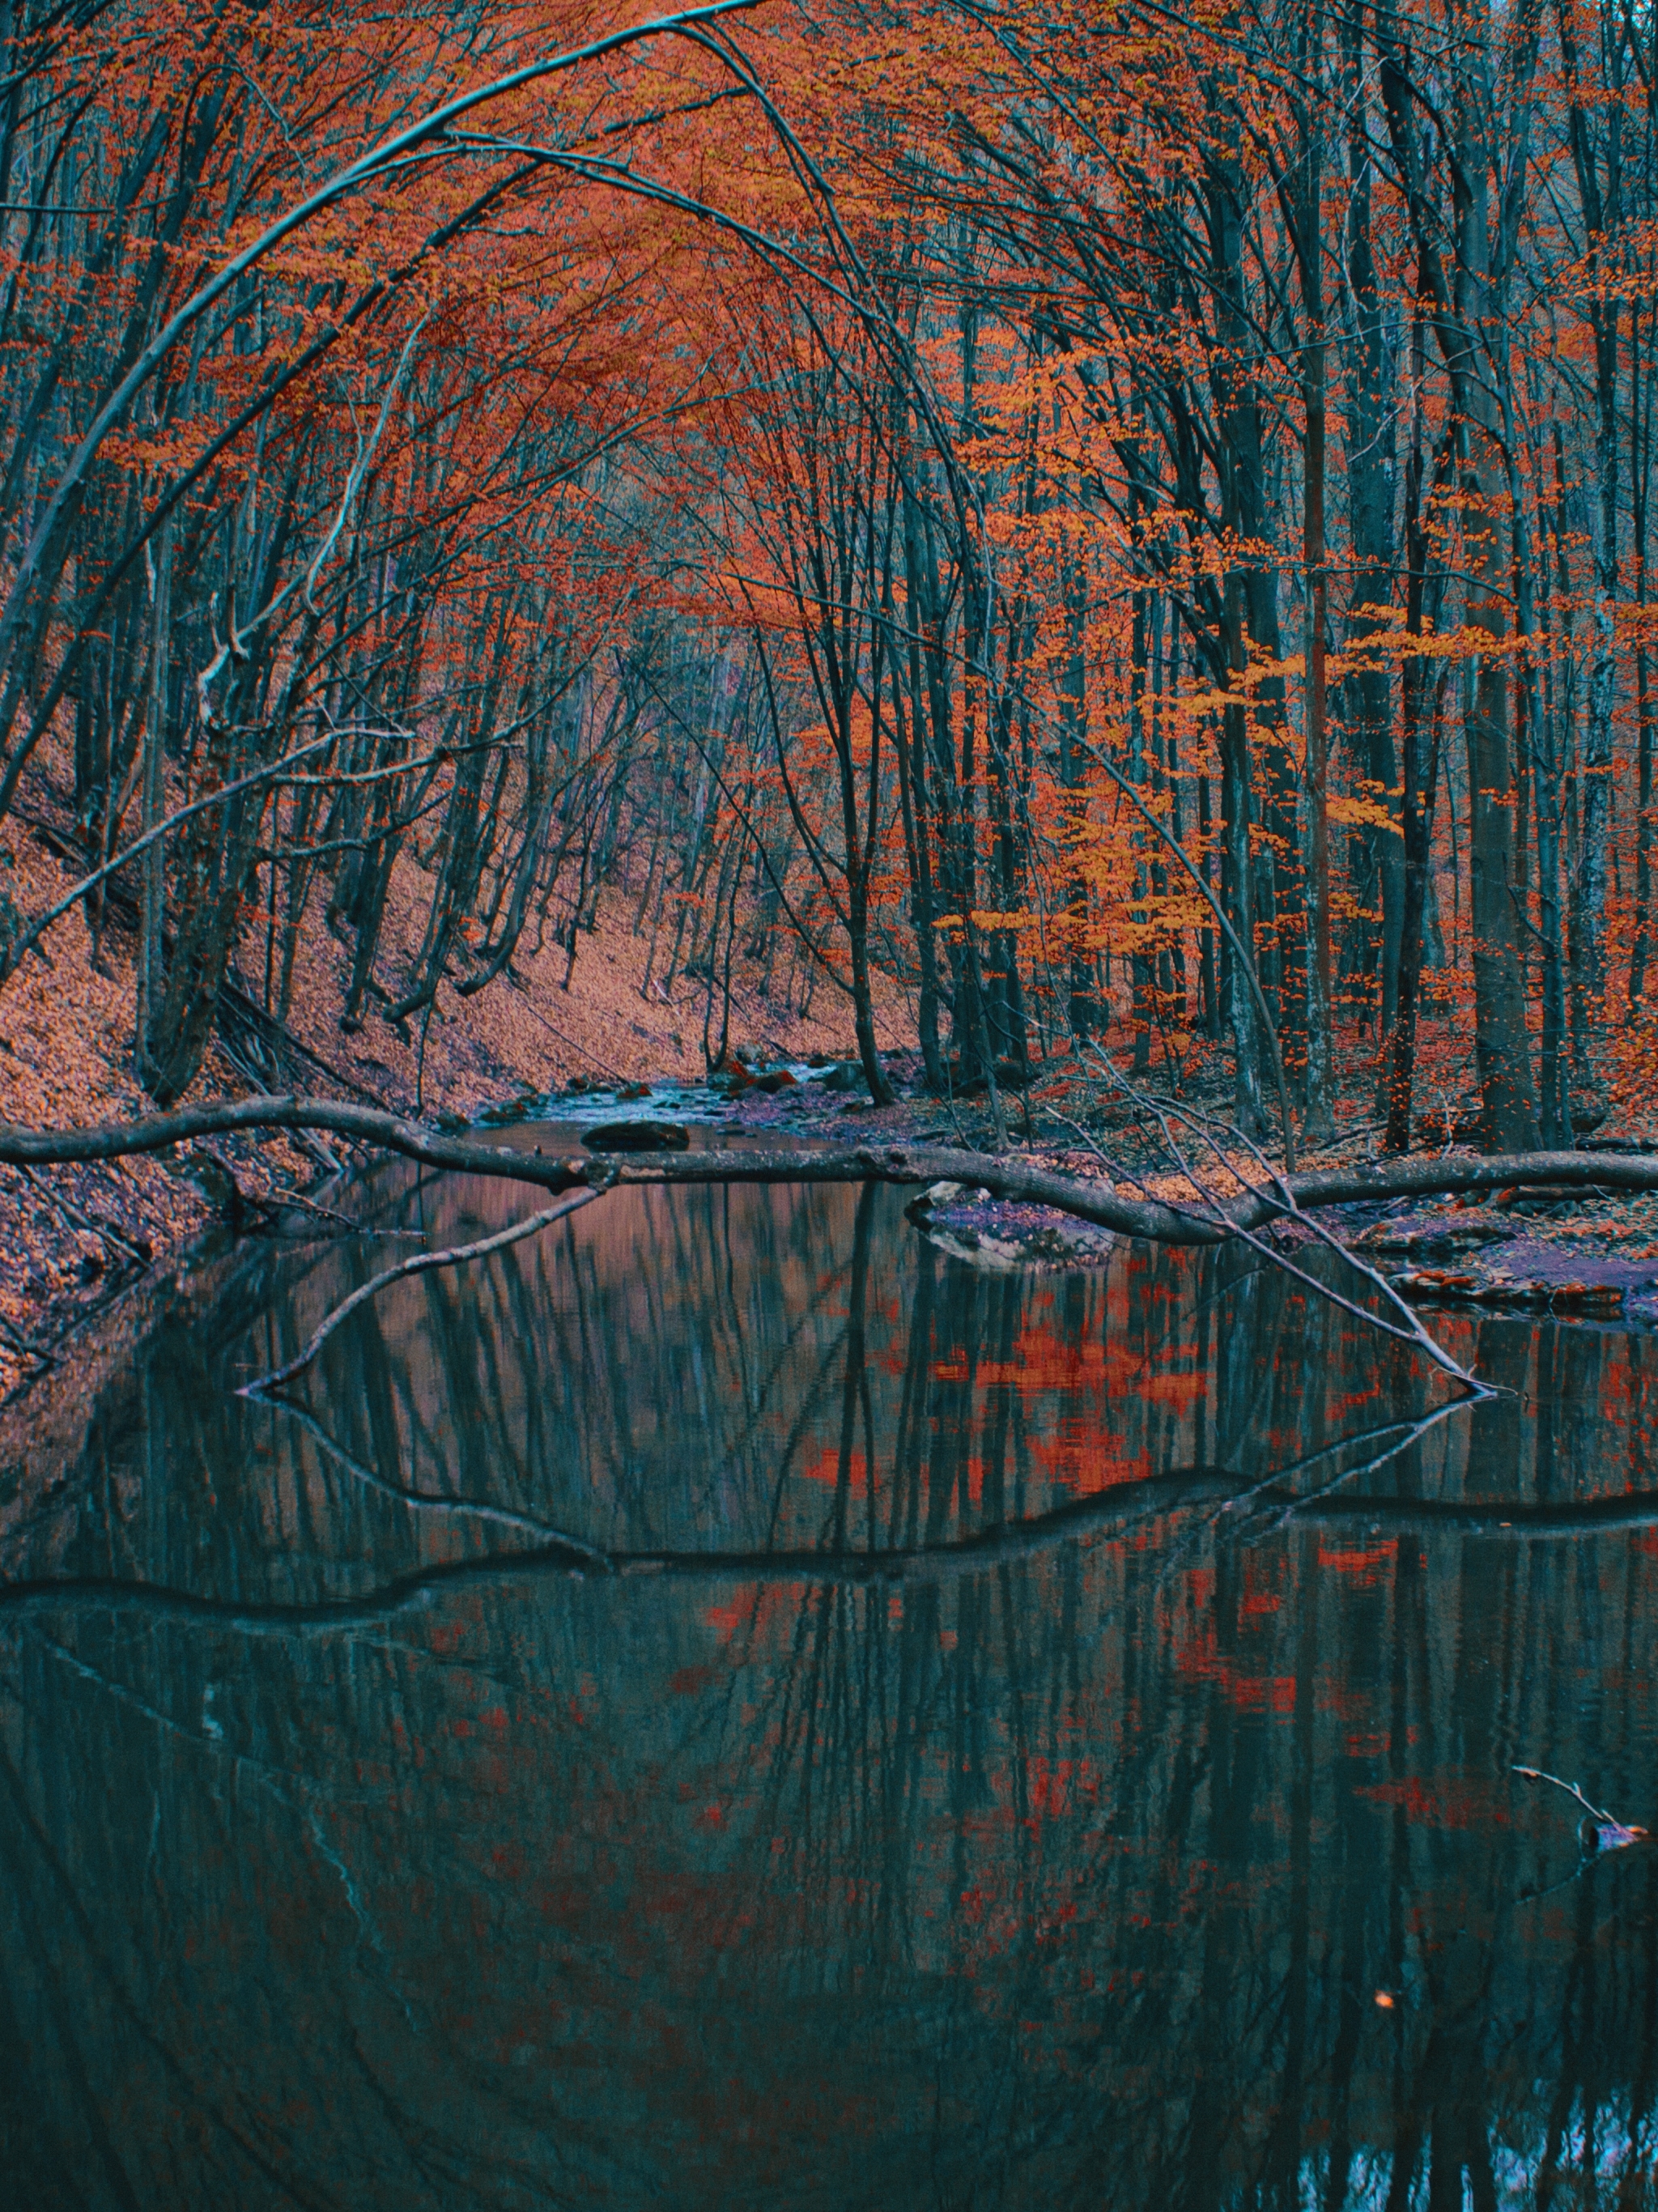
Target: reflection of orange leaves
pixel 1250 1693
pixel 1260 1597
pixel 1080 1448
pixel 1043 1362
pixel 1181 1391
pixel 1200 1657
pixel 759 1607
pixel 1361 1561
pixel 1353 1708
pixel 1053 1787
pixel 826 1468
pixel 1450 1805
pixel 1086 1465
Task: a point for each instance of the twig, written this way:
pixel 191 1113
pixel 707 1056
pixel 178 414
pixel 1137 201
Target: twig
pixel 19 1343
pixel 82 1221
pixel 1536 1774
pixel 277 1202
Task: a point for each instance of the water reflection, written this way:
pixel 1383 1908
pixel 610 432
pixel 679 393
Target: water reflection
pixel 958 1803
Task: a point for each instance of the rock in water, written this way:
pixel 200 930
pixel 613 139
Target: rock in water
pixel 998 1234
pixel 637 1137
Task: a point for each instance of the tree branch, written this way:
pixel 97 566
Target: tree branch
pixel 1172 1223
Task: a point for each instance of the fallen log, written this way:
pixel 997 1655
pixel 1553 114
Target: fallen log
pixel 1195 1220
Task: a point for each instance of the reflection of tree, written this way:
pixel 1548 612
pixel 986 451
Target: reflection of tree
pixel 1063 1869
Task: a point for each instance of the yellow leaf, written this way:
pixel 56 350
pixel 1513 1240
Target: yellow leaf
pixel 1358 813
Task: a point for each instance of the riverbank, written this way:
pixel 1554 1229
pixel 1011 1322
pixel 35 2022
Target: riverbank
pixel 1574 1255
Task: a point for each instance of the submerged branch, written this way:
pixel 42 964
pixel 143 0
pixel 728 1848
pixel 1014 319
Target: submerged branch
pixel 1411 1333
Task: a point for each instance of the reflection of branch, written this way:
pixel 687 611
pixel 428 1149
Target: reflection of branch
pixel 1278 1509
pixel 427 1501
pixel 262 1385
pixel 272 1777
pixel 1109 1510
pixel 1593 1517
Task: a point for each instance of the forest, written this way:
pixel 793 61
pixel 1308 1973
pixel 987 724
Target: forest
pixel 1114 529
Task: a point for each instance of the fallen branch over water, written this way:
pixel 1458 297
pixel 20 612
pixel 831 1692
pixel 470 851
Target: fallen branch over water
pixel 1097 1201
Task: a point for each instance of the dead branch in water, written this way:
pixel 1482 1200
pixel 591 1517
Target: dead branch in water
pixel 1606 1833
pixel 1217 1137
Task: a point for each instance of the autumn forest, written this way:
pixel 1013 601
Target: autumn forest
pixel 829 1105
pixel 1126 525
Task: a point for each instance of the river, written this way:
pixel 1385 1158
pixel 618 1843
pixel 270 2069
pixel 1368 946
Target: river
pixel 722 1704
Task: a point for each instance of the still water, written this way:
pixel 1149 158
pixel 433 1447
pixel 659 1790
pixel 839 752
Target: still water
pixel 996 1762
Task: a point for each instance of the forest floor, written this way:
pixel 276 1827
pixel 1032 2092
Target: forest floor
pixel 79 1239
